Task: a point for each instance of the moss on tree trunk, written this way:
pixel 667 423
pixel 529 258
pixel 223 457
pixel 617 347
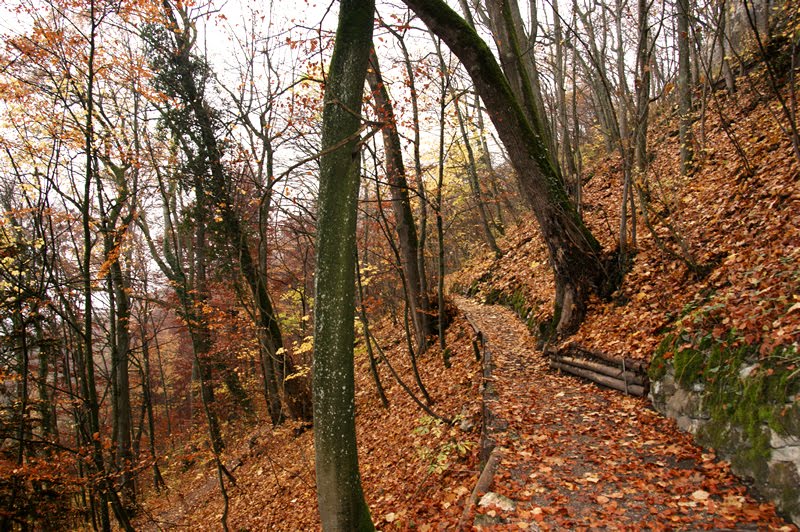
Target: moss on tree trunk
pixel 575 254
pixel 341 500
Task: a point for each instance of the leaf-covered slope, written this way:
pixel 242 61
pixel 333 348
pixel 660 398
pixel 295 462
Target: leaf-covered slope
pixel 407 459
pixel 727 252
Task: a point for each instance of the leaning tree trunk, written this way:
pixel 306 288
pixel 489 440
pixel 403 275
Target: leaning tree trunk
pixel 341 499
pixel 276 367
pixel 575 254
pixel 401 206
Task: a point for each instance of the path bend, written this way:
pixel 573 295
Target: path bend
pixel 575 456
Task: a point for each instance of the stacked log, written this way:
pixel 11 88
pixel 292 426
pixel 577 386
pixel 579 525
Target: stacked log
pixel 623 374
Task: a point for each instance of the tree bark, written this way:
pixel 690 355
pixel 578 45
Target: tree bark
pixel 147 399
pixel 643 57
pixel 559 66
pixel 471 165
pixel 401 206
pixel 373 363
pixel 624 134
pixel 684 86
pixel 518 61
pixel 575 254
pixel 472 178
pixel 87 380
pixel 339 493
pixel 419 182
pixel 445 85
pixel 122 400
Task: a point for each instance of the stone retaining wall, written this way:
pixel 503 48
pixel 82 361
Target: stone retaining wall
pixel 767 453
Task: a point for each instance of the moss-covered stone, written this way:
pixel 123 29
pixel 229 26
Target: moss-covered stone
pixel 689 365
pixel 785 478
pixel 658 363
pixel 736 401
pixel 788 419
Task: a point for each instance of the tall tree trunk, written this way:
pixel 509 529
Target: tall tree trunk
pixel 276 365
pixel 597 75
pixel 373 363
pixel 624 134
pixel 472 176
pixel 518 60
pixel 575 254
pixel 199 330
pixel 122 399
pixel 401 206
pixel 147 399
pixel 485 155
pixel 445 80
pixel 88 386
pixel 339 493
pixel 114 226
pixel 418 179
pixel 499 197
pixel 559 66
pixel 643 57
pixel 684 87
pixel 46 397
pixel 577 186
pixel 472 173
pixel 191 290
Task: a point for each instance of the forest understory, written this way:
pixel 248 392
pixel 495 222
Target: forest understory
pixel 572 455
pixel 399 266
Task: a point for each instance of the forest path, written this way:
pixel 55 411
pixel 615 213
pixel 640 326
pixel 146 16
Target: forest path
pixel 575 455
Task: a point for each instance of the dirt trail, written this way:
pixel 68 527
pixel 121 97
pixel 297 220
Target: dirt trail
pixel 577 456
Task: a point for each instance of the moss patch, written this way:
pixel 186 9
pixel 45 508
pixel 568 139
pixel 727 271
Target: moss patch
pixel 659 361
pixel 517 302
pixel 744 394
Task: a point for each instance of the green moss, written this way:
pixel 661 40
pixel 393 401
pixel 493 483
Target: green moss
pixel 492 296
pixel 517 302
pixel 747 403
pixel 689 365
pixel 744 394
pixel 659 363
pixel 473 288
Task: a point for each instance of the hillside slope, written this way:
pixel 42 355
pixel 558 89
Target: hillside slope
pixel 739 224
pixel 726 238
pixel 407 458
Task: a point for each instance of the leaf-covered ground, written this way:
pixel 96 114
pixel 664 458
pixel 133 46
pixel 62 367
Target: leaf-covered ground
pixel 578 457
pixel 415 470
pixel 575 456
